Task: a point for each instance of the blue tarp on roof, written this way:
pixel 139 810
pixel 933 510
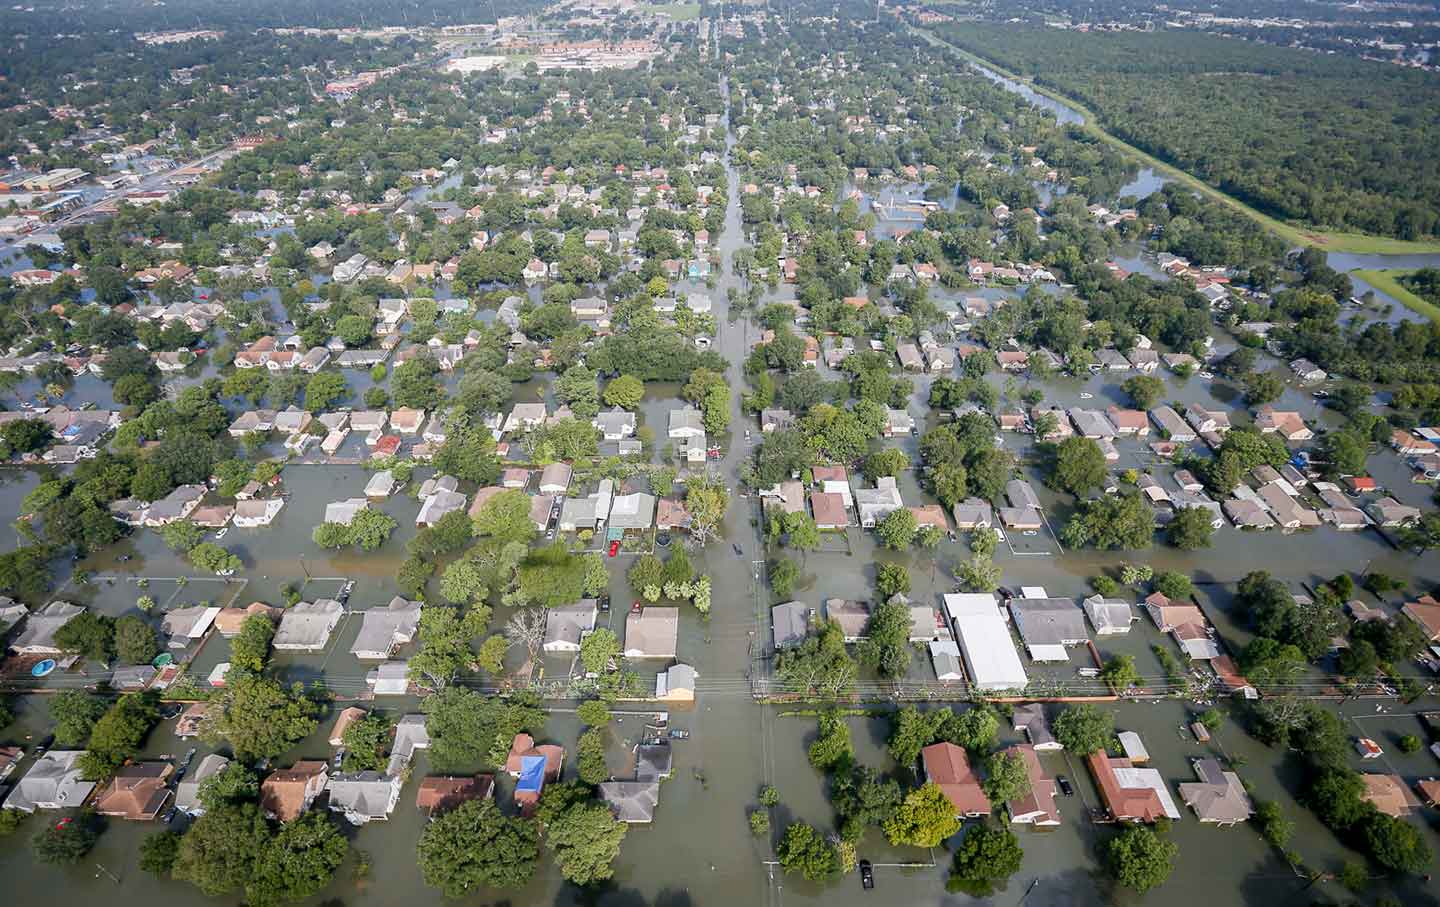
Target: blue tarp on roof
pixel 532 774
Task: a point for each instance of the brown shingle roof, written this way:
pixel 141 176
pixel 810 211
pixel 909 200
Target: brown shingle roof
pixel 441 793
pixel 946 765
pixel 285 793
pixel 137 792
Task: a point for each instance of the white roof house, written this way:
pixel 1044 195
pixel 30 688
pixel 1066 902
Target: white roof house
pixel 567 625
pixel 945 657
pixel 306 627
pixel 984 638
pixel 185 625
pixel 187 792
pixel 37 634
pixel 53 782
pixel 1109 616
pixel 384 629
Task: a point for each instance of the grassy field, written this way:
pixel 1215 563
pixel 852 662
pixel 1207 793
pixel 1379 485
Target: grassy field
pixel 680 12
pixel 1355 243
pixel 1388 282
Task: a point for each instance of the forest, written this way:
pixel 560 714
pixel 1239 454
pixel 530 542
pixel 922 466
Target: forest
pixel 1324 141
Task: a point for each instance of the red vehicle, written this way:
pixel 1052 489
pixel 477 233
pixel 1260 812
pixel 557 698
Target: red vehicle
pixel 614 548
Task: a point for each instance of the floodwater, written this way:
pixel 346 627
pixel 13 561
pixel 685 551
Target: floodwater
pixel 699 851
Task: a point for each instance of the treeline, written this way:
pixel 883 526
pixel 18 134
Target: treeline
pixel 1309 138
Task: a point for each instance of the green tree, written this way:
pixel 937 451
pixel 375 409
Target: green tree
pixel 469 731
pixel 476 846
pixel 219 851
pixel 74 713
pixel 1394 843
pixel 804 850
pixel 1191 529
pixel 784 574
pixel 445 636
pixel 371 528
pixel 365 742
pixel 1262 388
pixel 215 559
pixel 1115 521
pixel 886 647
pixel 323 390
pixel 1084 729
pixel 986 857
pixel 897 529
pixel 624 391
pixel 832 748
pixel 506 517
pixel 91 635
pixel 135 640
pixel 925 818
pixel 1174 585
pixel 118 735
pixel 819 666
pixel 1120 673
pixel 250 649
pixel 1005 777
pixel 66 843
pixel 181 535
pixel 706 500
pixel 297 862
pixel 590 762
pixel 259 718
pixel 891 579
pixel 593 713
pixel 158 852
pixel 586 840
pixel 1140 858
pixel 1077 465
pixel 1144 391
pixel 600 650
pixel 979 574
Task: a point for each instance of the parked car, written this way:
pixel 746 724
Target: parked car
pixel 1065 786
pixel 614 548
pixel 867 875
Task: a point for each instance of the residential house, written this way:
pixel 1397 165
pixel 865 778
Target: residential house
pixel 1048 625
pixel 853 617
pixel 1219 797
pixel 1425 612
pixel 632 802
pixel 183 626
pixel 830 511
pixel 1389 794
pixel 37 633
pixel 438 794
pixel 775 419
pixel 1030 720
pixel 615 424
pixel 878 503
pixel 286 794
pixel 555 478
pixel 137 792
pixel 1109 616
pixel 898 422
pixel 363 797
pixel 1131 794
pixel 973 513
pixel 790 624
pixel 651 632
pixel 54 781
pixel 256 513
pixel 1390 513
pixel 676 684
pixel 1307 371
pixel 187 792
pixel 947 766
pixel 1171 426
pixel 567 625
pixel 1288 424
pixel 1037 807
pixel 383 630
pixel 306 626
